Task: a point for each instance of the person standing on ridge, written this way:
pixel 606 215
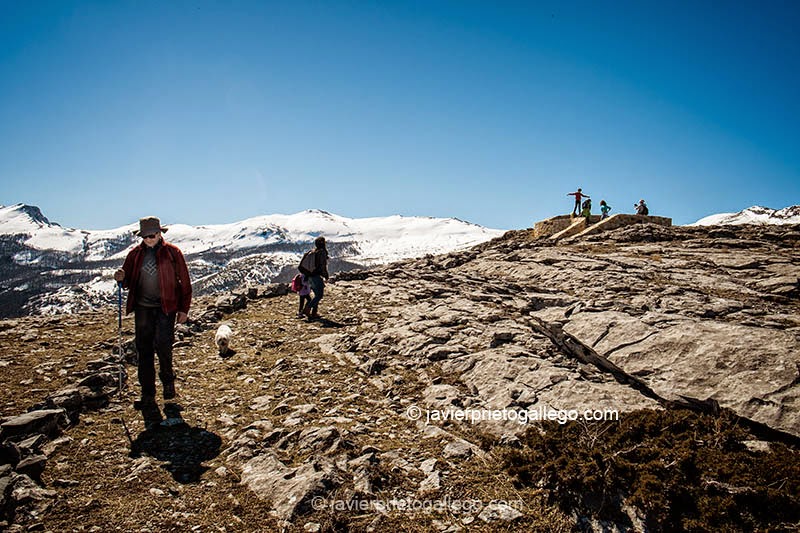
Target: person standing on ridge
pixel 314 266
pixel 641 208
pixel 604 209
pixel 159 293
pixel 586 210
pixel 578 197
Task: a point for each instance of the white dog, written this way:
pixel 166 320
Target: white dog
pixel 223 338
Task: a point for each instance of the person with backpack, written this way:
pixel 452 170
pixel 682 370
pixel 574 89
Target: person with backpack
pixel 604 209
pixel 578 197
pixel 586 209
pixel 301 286
pixel 159 293
pixel 314 266
pixel 641 208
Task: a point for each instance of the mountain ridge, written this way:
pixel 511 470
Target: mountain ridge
pixel 753 215
pixel 47 268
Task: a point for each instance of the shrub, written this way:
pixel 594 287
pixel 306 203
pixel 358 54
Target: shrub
pixel 680 470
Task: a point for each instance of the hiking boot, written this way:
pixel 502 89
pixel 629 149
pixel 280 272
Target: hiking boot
pixel 169 390
pixel 145 402
pixel 314 315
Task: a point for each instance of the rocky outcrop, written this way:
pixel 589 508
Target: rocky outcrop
pixel 291 490
pixel 565 226
pixel 640 316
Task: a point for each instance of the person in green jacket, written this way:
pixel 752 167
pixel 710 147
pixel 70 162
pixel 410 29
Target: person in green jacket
pixel 587 210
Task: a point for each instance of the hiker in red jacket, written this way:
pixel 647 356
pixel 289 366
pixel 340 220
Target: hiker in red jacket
pixel 578 197
pixel 159 292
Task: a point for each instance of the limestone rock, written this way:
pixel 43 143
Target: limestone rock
pixel 499 512
pixel 29 499
pixel 68 399
pixel 748 369
pixel 317 439
pixel 290 490
pixel 231 302
pixel 48 422
pixel 432 483
pixel 457 449
pixel 635 316
pixel 32 466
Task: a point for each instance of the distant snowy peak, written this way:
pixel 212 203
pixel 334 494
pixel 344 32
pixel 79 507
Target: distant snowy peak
pixel 377 240
pixel 27 225
pixel 753 215
pixel 21 218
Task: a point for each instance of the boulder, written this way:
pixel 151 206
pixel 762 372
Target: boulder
pixel 29 500
pixel 33 467
pixel 48 422
pixel 68 399
pixel 231 302
pixel 290 490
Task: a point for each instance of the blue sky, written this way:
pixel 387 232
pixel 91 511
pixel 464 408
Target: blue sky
pixel 206 112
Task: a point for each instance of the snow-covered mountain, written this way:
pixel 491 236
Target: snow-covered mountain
pixel 45 267
pixel 753 215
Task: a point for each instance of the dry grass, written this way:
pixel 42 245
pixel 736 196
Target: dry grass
pixel 103 486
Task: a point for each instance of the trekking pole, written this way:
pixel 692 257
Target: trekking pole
pixel 121 359
pixel 119 337
pixel 127 431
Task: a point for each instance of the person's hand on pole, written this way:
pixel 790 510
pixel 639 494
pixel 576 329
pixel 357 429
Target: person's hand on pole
pixel 119 275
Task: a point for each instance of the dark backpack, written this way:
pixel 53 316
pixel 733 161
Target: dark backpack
pixel 308 263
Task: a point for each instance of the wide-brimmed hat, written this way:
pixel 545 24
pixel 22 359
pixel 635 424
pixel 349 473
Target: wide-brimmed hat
pixel 149 226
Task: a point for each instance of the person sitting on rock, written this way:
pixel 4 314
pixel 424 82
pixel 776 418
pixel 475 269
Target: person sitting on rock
pixel 641 208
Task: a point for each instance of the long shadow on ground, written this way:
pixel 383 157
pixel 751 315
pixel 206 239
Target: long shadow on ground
pixel 182 446
pixel 328 323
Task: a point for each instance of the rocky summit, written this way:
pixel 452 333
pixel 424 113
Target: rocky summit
pixel 645 378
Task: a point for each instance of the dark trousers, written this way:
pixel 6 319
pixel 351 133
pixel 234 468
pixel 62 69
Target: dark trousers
pixel 304 299
pixel 155 333
pixel 318 288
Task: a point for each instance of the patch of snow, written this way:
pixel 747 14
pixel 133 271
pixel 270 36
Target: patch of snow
pixel 753 215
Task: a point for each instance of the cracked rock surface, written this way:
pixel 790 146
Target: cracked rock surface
pixel 683 312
